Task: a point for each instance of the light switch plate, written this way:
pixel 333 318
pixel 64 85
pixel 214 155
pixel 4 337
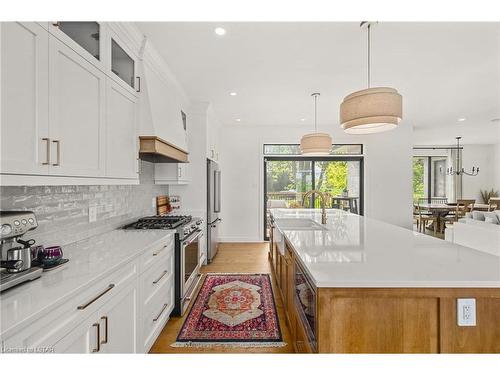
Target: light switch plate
pixel 466 312
pixel 92 214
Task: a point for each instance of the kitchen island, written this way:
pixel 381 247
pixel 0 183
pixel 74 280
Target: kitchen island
pixel 358 285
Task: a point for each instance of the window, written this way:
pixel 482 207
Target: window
pixel 429 177
pixel 294 149
pixel 287 178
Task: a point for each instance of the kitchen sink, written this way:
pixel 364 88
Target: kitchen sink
pixel 298 224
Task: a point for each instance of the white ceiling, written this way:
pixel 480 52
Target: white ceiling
pixel 444 71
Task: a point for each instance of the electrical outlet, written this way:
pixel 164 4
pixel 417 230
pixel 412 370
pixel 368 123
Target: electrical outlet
pixel 92 214
pixel 466 312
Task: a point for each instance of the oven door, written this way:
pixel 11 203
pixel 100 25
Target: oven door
pixel 190 261
pixel 305 300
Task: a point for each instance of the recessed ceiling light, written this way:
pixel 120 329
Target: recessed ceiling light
pixel 233 93
pixel 302 119
pixel 220 31
pixel 237 119
pixel 461 119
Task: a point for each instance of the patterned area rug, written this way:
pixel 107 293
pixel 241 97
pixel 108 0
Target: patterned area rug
pixel 232 310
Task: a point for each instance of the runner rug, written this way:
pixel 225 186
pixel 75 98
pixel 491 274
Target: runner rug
pixel 232 310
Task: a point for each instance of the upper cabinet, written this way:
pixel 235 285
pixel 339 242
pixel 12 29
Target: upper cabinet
pixel 76 96
pixel 76 113
pixel 25 143
pixel 87 39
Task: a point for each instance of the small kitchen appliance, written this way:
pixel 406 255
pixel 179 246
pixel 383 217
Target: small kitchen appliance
pixel 189 252
pixel 16 256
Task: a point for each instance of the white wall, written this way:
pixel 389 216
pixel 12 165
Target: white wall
pixel 484 157
pixel 388 187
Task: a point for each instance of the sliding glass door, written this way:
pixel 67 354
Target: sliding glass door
pixel 287 179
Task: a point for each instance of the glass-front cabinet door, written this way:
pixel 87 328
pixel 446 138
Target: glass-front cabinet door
pixel 85 37
pixel 122 64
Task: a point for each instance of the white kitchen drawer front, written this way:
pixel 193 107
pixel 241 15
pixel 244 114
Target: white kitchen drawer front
pixel 157 254
pixel 63 319
pixel 153 279
pixel 156 313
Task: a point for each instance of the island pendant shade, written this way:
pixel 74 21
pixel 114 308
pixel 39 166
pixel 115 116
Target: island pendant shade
pixel 316 144
pixel 372 110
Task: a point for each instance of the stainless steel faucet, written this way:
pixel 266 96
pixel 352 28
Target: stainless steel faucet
pixel 324 195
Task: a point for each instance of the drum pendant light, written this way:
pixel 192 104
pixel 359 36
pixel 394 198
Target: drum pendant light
pixel 316 143
pixel 373 110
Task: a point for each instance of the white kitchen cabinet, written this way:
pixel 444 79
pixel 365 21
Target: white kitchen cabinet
pixel 87 39
pixel 123 64
pixel 81 339
pixel 172 173
pixel 118 322
pixel 76 113
pixel 24 108
pixel 121 132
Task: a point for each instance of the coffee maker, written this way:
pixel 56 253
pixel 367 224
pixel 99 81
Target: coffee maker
pixel 16 257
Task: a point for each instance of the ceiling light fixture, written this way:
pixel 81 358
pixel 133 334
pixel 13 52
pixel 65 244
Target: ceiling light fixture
pixel 459 170
pixel 237 119
pixel 461 119
pixel 372 110
pixel 233 93
pixel 316 143
pixel 302 119
pixel 220 31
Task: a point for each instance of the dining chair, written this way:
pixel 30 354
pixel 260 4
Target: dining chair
pixel 494 204
pixel 463 206
pixel 424 218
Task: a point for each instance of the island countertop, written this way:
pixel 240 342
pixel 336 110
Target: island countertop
pixel 353 251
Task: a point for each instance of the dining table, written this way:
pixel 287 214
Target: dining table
pixel 441 210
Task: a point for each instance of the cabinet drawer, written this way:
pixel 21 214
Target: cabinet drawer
pixel 60 321
pixel 153 279
pixel 157 254
pixel 157 312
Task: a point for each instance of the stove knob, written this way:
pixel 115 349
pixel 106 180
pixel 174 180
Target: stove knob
pixel 193 226
pixel 24 221
pixel 16 222
pixel 6 229
pixel 31 220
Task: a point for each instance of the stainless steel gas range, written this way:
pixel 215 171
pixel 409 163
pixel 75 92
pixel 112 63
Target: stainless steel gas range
pixel 188 253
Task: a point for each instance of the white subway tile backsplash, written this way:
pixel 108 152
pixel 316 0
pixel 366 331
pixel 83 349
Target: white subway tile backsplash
pixel 62 211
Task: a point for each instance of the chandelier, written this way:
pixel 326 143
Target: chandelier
pixel 461 171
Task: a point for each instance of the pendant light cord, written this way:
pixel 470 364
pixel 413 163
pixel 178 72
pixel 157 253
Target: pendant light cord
pixel 315 96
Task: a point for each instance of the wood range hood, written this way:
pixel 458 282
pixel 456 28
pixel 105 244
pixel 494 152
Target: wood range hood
pixel 156 150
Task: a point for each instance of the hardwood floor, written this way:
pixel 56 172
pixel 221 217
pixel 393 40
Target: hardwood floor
pixel 231 257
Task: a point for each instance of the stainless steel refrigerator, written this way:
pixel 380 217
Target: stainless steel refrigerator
pixel 213 208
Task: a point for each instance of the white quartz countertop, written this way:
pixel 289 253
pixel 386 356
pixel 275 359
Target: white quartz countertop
pixel 89 260
pixel 355 251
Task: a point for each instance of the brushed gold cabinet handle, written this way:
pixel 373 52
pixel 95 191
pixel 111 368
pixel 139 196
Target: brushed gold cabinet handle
pixel 58 143
pixel 110 286
pixel 161 312
pixel 161 277
pixel 159 251
pixel 98 328
pixel 56 24
pixel 47 151
pixel 105 340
